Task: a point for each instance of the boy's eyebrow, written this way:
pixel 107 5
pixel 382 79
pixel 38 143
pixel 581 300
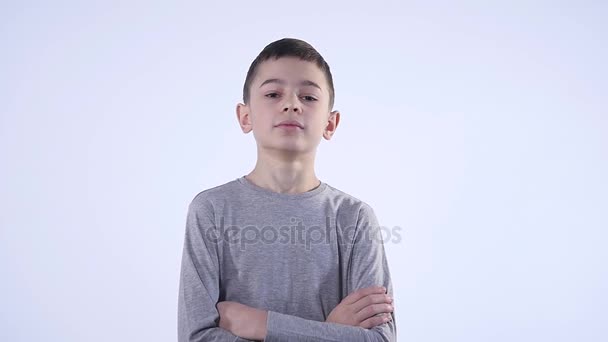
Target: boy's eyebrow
pixel 282 82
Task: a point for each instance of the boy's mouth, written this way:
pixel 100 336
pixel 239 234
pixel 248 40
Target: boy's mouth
pixel 290 123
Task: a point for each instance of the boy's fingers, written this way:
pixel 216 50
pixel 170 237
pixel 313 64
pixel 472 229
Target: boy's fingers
pixel 376 298
pixel 355 296
pixel 375 320
pixel 372 310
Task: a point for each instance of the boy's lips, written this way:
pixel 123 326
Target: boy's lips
pixel 290 123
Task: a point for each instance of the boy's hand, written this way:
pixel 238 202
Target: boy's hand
pixel 361 308
pixel 242 320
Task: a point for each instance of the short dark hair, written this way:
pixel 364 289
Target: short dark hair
pixel 289 47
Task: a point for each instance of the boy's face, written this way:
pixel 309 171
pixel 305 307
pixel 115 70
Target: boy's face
pixel 288 89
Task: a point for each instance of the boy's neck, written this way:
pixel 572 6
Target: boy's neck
pixel 293 176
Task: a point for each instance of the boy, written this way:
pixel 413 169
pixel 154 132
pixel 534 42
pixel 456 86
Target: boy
pixel 278 255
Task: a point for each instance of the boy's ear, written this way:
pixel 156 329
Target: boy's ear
pixel 332 124
pixel 242 115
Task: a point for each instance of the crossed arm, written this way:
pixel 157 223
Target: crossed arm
pixel 366 308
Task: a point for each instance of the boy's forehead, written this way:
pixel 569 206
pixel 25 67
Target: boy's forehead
pixel 290 69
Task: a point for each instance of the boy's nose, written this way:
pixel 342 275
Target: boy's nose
pixel 288 107
pixel 292 103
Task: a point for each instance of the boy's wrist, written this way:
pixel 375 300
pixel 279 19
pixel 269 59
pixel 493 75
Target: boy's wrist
pixel 260 321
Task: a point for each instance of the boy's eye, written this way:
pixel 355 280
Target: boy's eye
pixel 310 98
pixel 307 97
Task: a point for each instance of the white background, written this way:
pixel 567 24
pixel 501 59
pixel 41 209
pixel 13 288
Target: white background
pixel 478 128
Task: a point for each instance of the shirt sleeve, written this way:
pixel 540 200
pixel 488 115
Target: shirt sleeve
pixel 197 315
pixel 367 267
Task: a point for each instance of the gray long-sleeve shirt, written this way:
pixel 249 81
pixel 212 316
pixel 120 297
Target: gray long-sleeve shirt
pixel 295 255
